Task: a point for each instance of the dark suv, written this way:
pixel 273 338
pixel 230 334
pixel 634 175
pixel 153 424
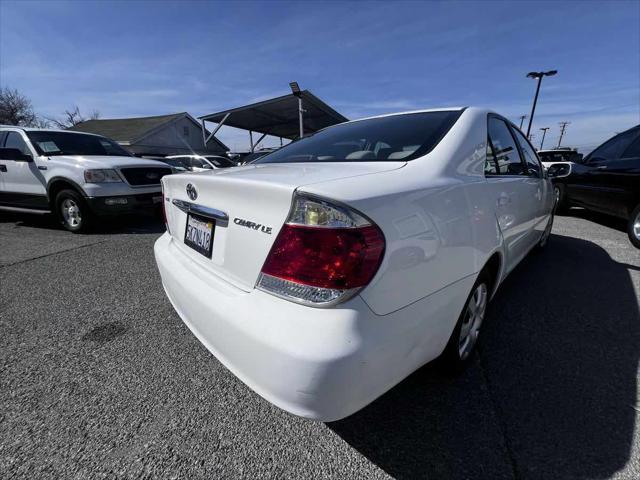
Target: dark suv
pixel 607 181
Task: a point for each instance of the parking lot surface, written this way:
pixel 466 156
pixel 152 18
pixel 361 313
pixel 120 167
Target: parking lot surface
pixel 99 378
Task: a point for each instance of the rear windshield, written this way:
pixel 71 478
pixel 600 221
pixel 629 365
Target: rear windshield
pixel 68 143
pixel 560 156
pixel 393 138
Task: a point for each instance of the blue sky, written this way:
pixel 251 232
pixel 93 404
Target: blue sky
pixel 150 58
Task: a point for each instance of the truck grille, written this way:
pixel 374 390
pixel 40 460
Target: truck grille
pixel 144 175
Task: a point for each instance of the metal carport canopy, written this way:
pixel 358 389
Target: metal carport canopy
pixel 279 116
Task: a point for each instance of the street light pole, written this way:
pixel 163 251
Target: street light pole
pixel 539 76
pixel 295 89
pixel 544 133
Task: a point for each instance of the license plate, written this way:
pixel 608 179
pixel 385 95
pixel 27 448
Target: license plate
pixel 156 199
pixel 199 234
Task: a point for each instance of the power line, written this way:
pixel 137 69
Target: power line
pixel 563 127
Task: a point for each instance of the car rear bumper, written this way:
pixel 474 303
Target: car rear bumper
pixel 116 204
pixel 323 364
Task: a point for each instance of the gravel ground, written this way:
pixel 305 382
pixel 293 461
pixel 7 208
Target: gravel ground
pixel 99 378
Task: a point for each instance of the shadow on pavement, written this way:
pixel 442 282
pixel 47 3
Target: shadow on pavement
pixel 552 393
pixel 103 225
pixel 599 218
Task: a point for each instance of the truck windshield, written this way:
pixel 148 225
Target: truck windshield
pixel 69 143
pixel 392 138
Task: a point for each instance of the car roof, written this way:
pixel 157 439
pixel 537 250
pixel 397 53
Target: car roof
pixel 56 130
pixel 408 112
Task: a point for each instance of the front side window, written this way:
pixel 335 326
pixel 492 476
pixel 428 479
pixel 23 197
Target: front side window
pixel 199 163
pixel 533 165
pixel 392 138
pixel 14 140
pixel 504 151
pixel 69 143
pixel 614 148
pixel 633 151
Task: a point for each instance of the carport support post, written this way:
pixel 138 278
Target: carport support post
pixel 215 130
pixel 300 110
pixel 251 140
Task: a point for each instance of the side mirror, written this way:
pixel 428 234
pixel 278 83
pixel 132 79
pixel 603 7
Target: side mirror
pixel 15 155
pixel 559 170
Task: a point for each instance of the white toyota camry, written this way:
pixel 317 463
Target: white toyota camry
pixel 326 272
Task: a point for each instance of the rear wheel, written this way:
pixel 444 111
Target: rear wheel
pixel 465 335
pixel 633 227
pixel 562 205
pixel 72 211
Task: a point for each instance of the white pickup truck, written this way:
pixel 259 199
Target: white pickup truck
pixel 77 176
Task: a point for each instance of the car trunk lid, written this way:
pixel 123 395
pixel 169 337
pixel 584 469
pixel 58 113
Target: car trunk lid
pixel 248 205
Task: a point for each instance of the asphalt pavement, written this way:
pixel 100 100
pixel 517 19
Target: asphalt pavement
pixel 99 378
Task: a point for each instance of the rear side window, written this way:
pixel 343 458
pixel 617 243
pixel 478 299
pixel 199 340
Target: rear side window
pixel 614 148
pixel 503 156
pixel 393 138
pixel 533 165
pixel 634 149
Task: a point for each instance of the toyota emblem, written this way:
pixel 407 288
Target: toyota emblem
pixel 192 192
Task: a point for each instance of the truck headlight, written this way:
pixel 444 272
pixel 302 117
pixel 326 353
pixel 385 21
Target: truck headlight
pixel 101 176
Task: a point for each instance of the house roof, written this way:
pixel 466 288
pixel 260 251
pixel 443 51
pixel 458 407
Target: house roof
pixel 279 116
pixel 131 130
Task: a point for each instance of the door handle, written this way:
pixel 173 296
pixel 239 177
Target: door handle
pixel 601 167
pixel 3 168
pixel 504 200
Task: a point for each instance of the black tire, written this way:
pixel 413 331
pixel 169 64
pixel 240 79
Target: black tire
pixel 562 204
pixel 453 360
pixel 633 227
pixel 72 211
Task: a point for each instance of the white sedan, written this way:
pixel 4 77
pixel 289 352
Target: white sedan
pixel 326 272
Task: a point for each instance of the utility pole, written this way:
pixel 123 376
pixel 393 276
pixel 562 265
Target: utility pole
pixel 522 117
pixel 544 133
pixel 563 126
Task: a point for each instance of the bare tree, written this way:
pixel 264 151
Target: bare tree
pixel 16 109
pixel 73 117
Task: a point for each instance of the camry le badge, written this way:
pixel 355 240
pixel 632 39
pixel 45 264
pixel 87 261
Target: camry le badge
pixel 192 192
pixel 255 226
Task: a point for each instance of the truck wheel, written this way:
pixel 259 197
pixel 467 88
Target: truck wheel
pixel 72 211
pixel 633 227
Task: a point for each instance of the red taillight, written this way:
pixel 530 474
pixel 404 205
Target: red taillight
pixel 332 258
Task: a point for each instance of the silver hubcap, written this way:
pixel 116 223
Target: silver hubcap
pixel 71 212
pixel 636 226
pixel 472 321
